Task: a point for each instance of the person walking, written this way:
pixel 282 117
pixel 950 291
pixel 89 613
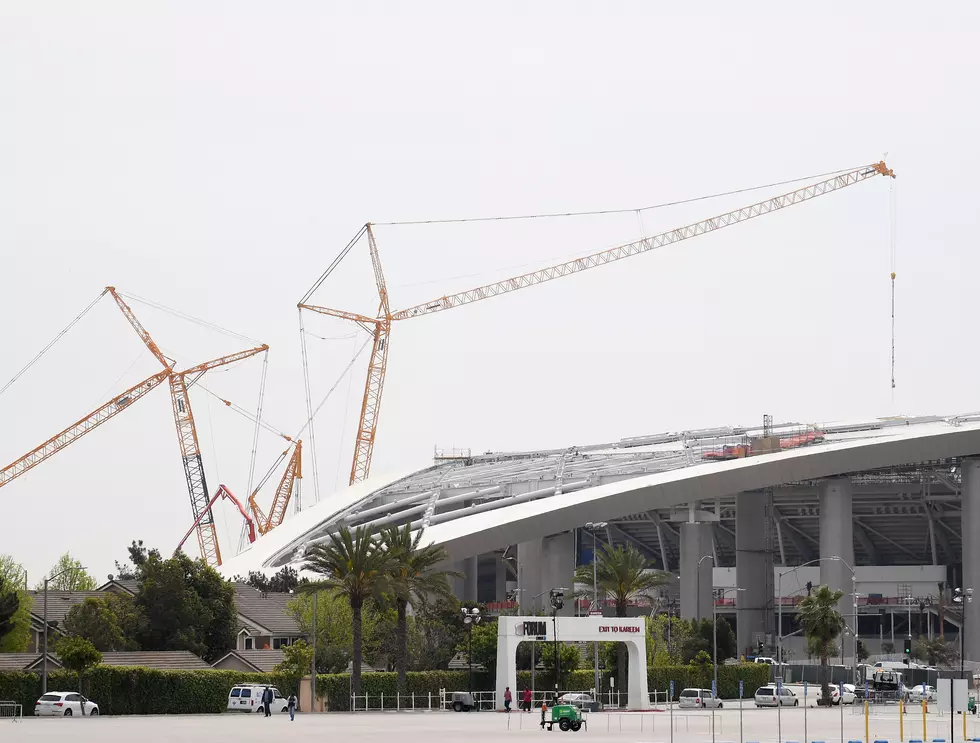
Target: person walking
pixel 292 706
pixel 508 698
pixel 267 697
pixel 544 710
pixel 527 699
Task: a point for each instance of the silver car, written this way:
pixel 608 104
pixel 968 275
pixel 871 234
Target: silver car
pixel 765 696
pixel 698 699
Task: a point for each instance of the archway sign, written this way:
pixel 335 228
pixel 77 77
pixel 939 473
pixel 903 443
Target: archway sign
pixel 511 631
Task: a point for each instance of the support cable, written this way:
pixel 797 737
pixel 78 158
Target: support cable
pixel 243 537
pixel 245 413
pixel 189 318
pixel 336 262
pixel 48 347
pixel 330 391
pixel 600 212
pixel 309 400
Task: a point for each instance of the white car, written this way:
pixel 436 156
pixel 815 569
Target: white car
pixel 917 694
pixel 581 700
pixel 698 699
pixel 65 704
pixel 847 696
pixel 248 698
pixel 765 696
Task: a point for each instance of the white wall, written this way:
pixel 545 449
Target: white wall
pixel 871 579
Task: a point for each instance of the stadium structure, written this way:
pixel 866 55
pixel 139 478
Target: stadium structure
pixel 887 511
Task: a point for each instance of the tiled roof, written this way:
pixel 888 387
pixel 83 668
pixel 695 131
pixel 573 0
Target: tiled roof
pixel 22 661
pixel 263 661
pixel 265 610
pixel 175 660
pixel 130 585
pixel 59 603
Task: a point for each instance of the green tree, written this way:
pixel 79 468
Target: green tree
pixel 623 574
pixel 484 643
pixel 185 605
pixel 297 660
pixel 103 622
pixel 285 581
pixel 413 575
pixel 665 640
pixel 353 565
pixel 73 576
pixel 569 655
pixel 77 654
pixel 439 633
pixel 822 624
pixel 701 638
pixel 935 652
pixel 138 555
pixel 17 637
pixel 334 628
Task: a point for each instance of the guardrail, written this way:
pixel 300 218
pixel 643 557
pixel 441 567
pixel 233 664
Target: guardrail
pixel 11 711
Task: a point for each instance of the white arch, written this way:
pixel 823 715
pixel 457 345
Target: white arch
pixel 632 632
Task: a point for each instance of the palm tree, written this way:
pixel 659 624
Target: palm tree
pixel 412 578
pixel 354 566
pixel 624 574
pixel 822 624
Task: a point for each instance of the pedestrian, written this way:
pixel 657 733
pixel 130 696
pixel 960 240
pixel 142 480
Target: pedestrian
pixel 508 698
pixel 544 710
pixel 292 706
pixel 527 699
pixel 267 701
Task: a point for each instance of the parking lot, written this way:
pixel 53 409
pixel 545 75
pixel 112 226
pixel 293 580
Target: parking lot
pixel 757 726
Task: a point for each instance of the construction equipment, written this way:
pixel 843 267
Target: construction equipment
pixel 223 492
pixel 183 416
pixel 289 484
pixel 380 326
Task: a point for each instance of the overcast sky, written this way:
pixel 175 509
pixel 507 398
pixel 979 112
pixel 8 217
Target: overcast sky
pixel 214 158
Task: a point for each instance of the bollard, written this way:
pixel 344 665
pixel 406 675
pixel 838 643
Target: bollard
pixel 867 734
pixel 901 720
pixel 925 733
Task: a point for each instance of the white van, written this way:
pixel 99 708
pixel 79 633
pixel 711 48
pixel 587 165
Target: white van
pixel 248 698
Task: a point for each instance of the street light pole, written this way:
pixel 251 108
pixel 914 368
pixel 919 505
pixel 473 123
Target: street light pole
pixel 592 526
pixel 697 597
pixel 44 661
pixel 470 617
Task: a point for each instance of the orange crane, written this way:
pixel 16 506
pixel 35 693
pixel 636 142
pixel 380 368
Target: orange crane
pixel 380 326
pixel 289 484
pixel 190 449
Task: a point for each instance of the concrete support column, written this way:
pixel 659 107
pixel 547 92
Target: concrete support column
pixel 545 564
pixel 753 561
pixel 837 537
pixel 696 542
pixel 970 495
pixel 472 582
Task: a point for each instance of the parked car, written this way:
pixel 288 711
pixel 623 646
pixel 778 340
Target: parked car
pixel 65 704
pixel 698 699
pixel 919 692
pixel 847 696
pixel 765 696
pixel 248 698
pixel 766 660
pixel 580 699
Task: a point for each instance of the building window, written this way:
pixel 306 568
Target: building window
pixel 249 643
pixel 281 642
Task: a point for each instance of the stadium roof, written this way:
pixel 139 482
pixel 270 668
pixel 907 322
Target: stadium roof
pixel 904 471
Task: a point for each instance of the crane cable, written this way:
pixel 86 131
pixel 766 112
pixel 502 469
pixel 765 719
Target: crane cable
pixel 48 347
pixel 309 401
pixel 243 537
pixel 893 228
pixel 592 213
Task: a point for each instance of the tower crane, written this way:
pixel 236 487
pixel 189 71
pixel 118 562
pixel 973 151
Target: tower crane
pixel 380 326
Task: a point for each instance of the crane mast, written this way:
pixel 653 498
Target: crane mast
pixel 380 326
pixel 289 483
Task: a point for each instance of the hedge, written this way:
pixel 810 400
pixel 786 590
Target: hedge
pixel 145 691
pixel 142 691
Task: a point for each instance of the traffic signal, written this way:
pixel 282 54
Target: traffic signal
pixel 761 647
pixel 908 646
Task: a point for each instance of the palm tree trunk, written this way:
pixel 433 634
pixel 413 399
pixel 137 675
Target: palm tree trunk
pixel 358 639
pixel 401 646
pixel 824 681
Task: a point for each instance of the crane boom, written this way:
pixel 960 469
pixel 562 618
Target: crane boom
pixel 144 335
pixel 647 244
pixel 287 485
pixel 78 429
pixel 224 492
